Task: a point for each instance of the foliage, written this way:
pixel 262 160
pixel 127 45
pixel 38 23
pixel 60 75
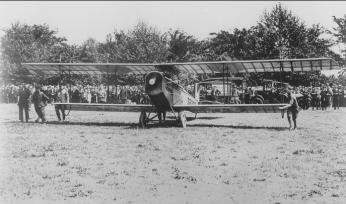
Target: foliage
pixel 340 33
pixel 24 43
pixel 142 44
pixel 182 46
pixel 88 52
pixel 340 30
pixel 277 34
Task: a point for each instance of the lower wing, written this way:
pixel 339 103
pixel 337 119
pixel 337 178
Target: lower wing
pixel 202 108
pixel 108 107
pixel 230 108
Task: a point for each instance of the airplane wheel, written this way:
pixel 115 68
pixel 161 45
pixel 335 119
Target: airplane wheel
pixel 182 119
pixel 256 100
pixel 143 119
pixel 282 113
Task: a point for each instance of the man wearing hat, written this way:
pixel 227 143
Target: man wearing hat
pixel 341 96
pixel 24 102
pixel 292 109
pixel 336 102
pixel 62 96
pixel 40 101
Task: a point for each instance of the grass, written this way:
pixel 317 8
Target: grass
pixel 219 158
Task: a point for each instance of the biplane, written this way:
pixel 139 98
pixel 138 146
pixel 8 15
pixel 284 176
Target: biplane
pixel 167 95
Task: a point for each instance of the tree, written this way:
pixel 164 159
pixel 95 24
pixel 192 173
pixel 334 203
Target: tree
pixel 340 33
pixel 24 43
pixel 283 35
pixel 239 44
pixel 89 51
pixel 278 34
pixel 340 30
pixel 140 45
pixel 182 46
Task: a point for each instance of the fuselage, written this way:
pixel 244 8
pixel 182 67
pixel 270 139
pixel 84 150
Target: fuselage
pixel 165 93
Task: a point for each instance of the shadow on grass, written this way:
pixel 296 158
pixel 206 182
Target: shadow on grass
pixel 166 124
pixel 207 118
pixel 198 118
pixel 94 123
pixel 77 123
pixel 241 127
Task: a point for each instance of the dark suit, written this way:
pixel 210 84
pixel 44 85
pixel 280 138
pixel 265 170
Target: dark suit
pixel 62 96
pixel 40 101
pixel 24 103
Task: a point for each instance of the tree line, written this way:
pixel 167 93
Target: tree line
pixel 278 34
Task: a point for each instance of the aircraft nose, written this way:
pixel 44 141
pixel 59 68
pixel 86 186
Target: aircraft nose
pixel 152 81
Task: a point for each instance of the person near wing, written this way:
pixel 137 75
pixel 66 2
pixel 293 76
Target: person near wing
pixel 24 102
pixel 40 101
pixel 61 96
pixel 292 110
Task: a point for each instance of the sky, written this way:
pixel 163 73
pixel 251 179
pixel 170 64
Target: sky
pixel 80 20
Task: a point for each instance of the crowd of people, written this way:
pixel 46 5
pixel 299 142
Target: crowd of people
pixel 26 94
pixel 324 96
pixel 82 94
pixel 319 97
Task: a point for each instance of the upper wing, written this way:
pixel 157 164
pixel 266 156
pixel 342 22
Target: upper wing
pixel 87 68
pixel 230 108
pixel 249 66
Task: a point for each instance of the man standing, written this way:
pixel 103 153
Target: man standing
pixel 292 110
pixel 24 102
pixel 61 96
pixel 235 95
pixel 40 101
pixel 324 98
pixel 329 95
pixel 336 98
pixel 342 94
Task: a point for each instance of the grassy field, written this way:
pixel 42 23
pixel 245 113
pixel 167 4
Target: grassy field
pixel 103 157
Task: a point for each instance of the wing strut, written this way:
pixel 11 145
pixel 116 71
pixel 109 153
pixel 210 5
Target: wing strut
pixel 281 70
pixel 108 99
pixel 227 85
pixel 116 85
pixel 223 80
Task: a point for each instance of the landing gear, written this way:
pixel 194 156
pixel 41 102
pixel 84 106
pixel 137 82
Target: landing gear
pixel 143 119
pixel 256 100
pixel 182 119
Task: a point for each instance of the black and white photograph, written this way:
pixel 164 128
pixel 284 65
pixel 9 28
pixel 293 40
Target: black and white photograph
pixel 173 102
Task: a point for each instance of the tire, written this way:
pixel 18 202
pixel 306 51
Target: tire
pixel 182 119
pixel 143 119
pixel 256 100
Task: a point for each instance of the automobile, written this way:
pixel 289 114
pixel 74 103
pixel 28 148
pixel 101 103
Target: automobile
pixel 270 92
pixel 227 90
